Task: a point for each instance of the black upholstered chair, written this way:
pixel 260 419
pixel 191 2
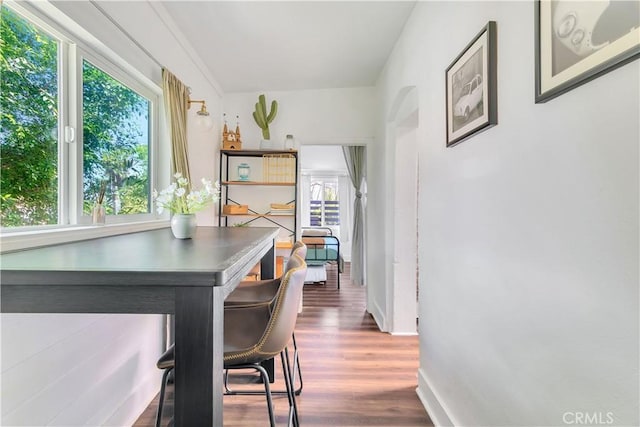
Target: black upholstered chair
pixel 256 333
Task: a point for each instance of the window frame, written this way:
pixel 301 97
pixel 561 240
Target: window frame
pixel 72 50
pixel 333 179
pixel 135 85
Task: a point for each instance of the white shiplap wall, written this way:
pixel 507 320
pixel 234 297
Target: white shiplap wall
pixel 77 369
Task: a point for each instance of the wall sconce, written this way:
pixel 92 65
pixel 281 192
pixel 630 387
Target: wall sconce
pixel 202 120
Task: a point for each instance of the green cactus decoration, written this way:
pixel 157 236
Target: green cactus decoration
pixel 262 118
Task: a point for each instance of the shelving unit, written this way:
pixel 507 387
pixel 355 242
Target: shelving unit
pixel 273 179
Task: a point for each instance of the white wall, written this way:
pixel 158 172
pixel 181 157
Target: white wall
pixel 320 120
pixel 72 370
pixel 322 158
pixel 324 116
pixel 528 233
pixel 78 369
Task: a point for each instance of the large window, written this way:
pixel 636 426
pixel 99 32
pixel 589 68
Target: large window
pixel 28 124
pixel 324 202
pixel 67 135
pixel 116 143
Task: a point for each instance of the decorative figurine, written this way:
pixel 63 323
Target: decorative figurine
pixel 231 140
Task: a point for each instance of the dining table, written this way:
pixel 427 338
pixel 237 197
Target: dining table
pixel 150 272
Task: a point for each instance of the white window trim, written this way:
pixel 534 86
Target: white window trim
pixel 132 83
pixel 18 238
pixel 325 177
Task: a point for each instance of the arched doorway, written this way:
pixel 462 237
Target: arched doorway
pixel 402 127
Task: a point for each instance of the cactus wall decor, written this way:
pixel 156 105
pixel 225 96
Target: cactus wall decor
pixel 262 118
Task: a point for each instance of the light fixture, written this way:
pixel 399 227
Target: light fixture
pixel 202 120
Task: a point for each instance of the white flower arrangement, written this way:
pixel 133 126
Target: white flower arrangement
pixel 176 200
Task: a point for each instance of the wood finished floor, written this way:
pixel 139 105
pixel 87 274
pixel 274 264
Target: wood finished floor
pixel 354 375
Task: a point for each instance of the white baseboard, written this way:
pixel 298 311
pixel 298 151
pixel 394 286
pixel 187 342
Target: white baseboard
pixel 404 334
pixel 434 406
pixel 378 316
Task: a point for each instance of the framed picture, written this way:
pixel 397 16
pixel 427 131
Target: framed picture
pixel 577 41
pixel 472 94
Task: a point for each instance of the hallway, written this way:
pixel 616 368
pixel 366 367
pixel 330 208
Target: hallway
pixel 353 374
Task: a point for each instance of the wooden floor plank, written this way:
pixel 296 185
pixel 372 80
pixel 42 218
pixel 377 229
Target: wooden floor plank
pixel 354 375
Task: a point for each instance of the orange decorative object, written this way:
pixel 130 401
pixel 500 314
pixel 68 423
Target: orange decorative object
pixel 279 266
pixel 235 209
pixel 231 140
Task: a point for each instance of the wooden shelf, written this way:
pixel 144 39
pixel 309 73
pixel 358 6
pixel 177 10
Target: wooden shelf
pixel 284 245
pixel 261 215
pixel 283 184
pixel 256 152
pixel 277 181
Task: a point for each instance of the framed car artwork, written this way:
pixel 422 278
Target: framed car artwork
pixel 577 41
pixel 471 88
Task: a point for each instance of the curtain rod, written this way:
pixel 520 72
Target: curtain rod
pixel 133 40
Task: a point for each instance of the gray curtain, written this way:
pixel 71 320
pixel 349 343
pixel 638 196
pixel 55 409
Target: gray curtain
pixel 354 157
pixel 176 101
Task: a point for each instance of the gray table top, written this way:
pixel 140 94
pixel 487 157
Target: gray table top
pixel 154 257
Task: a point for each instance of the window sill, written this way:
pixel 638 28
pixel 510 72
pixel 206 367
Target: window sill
pixel 15 241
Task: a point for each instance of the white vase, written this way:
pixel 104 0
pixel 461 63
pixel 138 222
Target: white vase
pixel 183 226
pixel 266 144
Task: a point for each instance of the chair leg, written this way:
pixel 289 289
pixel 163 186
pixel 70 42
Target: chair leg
pixel 161 398
pixel 293 407
pixel 296 366
pixel 264 375
pixel 227 390
pixel 267 391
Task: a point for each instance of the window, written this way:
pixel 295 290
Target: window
pixel 115 143
pixel 29 123
pixel 51 173
pixel 324 202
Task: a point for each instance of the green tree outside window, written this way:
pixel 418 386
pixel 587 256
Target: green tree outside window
pixel 115 129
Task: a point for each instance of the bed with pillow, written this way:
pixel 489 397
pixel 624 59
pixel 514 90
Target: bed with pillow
pixel 322 248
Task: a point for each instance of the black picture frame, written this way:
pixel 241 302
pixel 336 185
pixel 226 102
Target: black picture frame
pixel 472 87
pixel 576 42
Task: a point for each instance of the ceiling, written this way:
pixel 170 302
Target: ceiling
pixel 291 45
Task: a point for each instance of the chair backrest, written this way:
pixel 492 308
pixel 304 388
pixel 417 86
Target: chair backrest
pixel 284 312
pixel 300 249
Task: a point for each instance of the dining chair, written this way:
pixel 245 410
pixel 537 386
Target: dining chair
pixel 252 292
pixel 256 333
pixel 262 292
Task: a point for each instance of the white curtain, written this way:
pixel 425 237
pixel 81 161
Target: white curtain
pixel 346 217
pixel 305 209
pixel 354 156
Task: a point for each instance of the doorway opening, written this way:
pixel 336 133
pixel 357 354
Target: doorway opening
pixel 326 198
pixel 402 287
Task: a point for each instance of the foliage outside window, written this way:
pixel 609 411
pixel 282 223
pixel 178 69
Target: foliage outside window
pixel 28 123
pixel 115 142
pixel 324 203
